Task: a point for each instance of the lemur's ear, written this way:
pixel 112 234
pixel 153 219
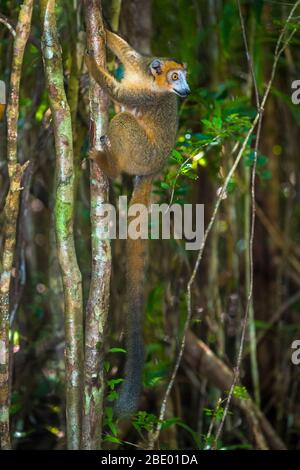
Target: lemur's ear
pixel 155 67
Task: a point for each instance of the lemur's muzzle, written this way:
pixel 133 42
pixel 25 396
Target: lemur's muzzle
pixel 181 87
pixel 183 92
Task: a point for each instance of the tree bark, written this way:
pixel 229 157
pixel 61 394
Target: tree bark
pixel 64 219
pixel 98 302
pixel 11 210
pixel 136 24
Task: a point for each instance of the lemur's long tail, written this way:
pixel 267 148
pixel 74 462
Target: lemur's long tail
pixel 129 392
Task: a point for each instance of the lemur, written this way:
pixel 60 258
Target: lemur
pixel 138 142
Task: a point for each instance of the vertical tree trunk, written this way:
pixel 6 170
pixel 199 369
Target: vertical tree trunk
pixel 267 292
pixel 98 302
pixel 247 230
pixel 64 217
pixel 136 24
pixel 11 209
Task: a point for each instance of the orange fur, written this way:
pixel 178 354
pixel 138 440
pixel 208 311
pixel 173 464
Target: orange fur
pixel 2 109
pixel 168 65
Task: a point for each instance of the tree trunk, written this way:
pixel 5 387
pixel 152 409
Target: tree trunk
pixel 64 219
pixel 11 210
pixel 98 302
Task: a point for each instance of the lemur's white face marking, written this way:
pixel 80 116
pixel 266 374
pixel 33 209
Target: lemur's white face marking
pixel 178 82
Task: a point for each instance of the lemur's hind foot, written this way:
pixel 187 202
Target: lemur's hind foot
pixel 104 159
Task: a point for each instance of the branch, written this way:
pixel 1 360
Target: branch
pixel 4 21
pixel 204 362
pixel 11 210
pixel 64 220
pixel 10 24
pixel 249 220
pixel 98 302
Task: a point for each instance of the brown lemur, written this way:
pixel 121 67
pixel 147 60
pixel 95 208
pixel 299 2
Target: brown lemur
pixel 138 142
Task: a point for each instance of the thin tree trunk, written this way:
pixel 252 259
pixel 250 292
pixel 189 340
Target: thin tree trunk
pixel 98 302
pixel 247 229
pixel 136 24
pixel 11 209
pixel 115 14
pixel 64 217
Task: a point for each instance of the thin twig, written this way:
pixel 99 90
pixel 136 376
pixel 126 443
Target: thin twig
pixel 4 21
pixel 248 221
pixel 183 164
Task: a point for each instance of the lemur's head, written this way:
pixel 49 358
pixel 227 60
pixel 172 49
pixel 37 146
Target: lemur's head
pixel 170 75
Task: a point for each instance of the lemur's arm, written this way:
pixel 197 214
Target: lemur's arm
pixel 125 53
pixel 132 97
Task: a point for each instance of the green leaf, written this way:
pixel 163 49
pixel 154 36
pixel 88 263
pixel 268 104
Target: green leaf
pixel 113 439
pixel 116 350
pixel 217 122
pixel 177 156
pixel 112 396
pixel 109 412
pixel 240 392
pixel 262 325
pixel 207 123
pixel 170 422
pixel 114 429
pixel 144 420
pixel 112 382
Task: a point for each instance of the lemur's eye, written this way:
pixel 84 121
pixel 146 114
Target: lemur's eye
pixel 174 76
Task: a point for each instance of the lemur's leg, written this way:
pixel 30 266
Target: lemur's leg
pixel 125 53
pixel 104 159
pixel 131 146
